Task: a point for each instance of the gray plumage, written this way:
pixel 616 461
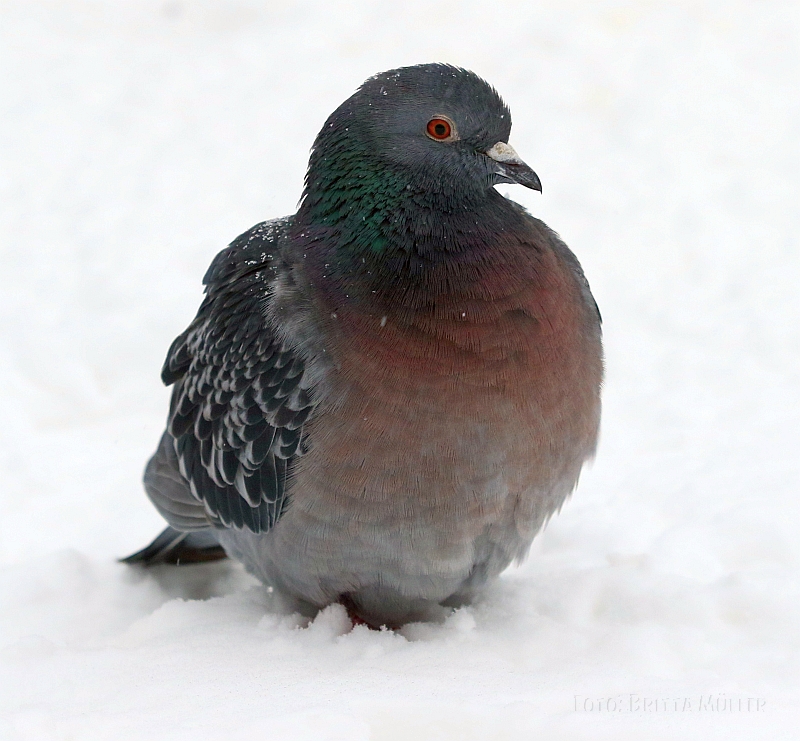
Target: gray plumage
pixel 384 397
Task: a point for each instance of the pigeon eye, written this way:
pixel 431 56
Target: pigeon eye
pixel 441 129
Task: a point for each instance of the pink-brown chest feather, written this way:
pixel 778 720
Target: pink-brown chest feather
pixel 522 326
pixel 499 377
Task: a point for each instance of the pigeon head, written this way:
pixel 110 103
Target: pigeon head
pixel 410 145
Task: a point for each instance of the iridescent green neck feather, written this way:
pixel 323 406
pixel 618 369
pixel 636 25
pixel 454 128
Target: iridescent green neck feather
pixel 351 194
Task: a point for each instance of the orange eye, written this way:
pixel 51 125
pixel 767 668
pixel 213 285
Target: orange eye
pixel 439 129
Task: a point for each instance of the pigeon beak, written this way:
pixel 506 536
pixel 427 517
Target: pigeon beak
pixel 510 168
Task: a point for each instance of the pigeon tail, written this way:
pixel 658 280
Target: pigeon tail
pixel 177 548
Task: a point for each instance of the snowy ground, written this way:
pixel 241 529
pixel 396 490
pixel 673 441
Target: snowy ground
pixel 137 139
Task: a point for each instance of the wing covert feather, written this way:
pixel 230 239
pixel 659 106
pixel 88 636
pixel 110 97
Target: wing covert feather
pixel 241 396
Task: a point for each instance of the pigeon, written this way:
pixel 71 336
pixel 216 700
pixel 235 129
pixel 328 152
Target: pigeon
pixel 384 397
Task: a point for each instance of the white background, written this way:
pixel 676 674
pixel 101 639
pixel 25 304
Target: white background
pixel 137 139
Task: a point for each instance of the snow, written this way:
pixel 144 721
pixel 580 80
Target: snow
pixel 137 139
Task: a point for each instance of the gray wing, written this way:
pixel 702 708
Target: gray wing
pixel 240 401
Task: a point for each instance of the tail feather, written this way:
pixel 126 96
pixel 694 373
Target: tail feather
pixel 174 547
